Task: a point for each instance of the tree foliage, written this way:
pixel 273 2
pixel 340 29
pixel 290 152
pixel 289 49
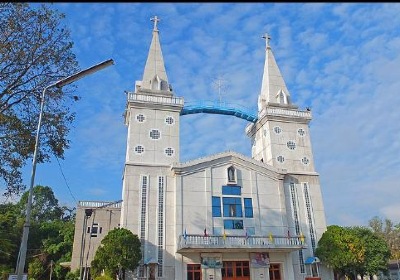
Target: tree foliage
pixel 35 50
pixel 353 250
pixel 50 237
pixel 44 204
pixel 389 232
pixel 340 250
pixel 377 252
pixel 119 251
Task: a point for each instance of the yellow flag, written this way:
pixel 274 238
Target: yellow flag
pixel 271 239
pixel 224 236
pixel 301 237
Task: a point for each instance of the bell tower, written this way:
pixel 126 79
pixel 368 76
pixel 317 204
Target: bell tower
pixel 152 117
pixel 280 137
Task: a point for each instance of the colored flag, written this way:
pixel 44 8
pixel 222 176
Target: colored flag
pixel 301 237
pixel 224 236
pixel 185 235
pixel 288 234
pixel 246 236
pixel 271 239
pixel 205 232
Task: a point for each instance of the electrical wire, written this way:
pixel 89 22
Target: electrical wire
pixel 65 180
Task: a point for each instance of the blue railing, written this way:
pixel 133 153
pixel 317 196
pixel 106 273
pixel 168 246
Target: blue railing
pixel 218 107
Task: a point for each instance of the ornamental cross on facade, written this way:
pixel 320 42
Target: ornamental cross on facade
pixel 156 20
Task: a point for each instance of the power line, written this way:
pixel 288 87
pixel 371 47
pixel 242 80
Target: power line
pixel 65 180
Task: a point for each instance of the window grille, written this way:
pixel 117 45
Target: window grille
pixel 140 118
pixel 309 216
pixel 296 223
pixel 169 120
pixel 143 222
pixel 160 224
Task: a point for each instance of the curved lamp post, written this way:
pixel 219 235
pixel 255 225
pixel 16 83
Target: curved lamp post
pixel 58 84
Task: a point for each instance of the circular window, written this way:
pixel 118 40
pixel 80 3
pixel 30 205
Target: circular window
pixel 301 132
pixel 277 129
pixel 305 160
pixel 291 145
pixel 280 159
pixel 139 149
pixel 169 152
pixel 140 118
pixel 169 120
pixel 154 134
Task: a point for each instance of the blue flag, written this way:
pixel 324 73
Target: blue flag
pixel 185 235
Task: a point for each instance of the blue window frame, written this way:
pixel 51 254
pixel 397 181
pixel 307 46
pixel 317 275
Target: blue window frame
pixel 231 190
pixel 233 224
pixel 216 206
pixel 232 207
pixel 248 208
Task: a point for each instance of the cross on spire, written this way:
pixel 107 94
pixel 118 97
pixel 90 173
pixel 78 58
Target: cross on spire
pixel 267 38
pixel 156 20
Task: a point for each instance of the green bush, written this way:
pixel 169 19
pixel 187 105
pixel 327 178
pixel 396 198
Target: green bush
pixel 103 277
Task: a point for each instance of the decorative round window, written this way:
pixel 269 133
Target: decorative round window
pixel 280 159
pixel 169 152
pixel 155 134
pixel 301 132
pixel 305 160
pixel 277 129
pixel 169 120
pixel 291 145
pixel 140 118
pixel 139 149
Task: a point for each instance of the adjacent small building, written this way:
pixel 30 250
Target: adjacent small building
pixel 93 220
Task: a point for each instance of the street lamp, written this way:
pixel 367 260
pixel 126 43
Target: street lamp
pixel 58 84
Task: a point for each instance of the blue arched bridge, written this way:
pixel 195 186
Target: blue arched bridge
pixel 218 107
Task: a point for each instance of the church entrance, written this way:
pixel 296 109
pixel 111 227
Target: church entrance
pixel 275 271
pixel 237 270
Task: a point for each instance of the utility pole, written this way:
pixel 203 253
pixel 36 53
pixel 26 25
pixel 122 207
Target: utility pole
pixel 51 268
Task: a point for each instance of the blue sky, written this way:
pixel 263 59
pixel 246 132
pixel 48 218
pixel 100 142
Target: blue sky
pixel 342 60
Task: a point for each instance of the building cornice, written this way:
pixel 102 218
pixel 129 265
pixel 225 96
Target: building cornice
pixel 227 157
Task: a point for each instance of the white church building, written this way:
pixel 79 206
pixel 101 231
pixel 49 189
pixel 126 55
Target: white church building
pixel 225 216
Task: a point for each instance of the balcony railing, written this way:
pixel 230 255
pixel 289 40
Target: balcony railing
pixel 194 241
pixel 285 112
pixel 171 100
pixel 98 204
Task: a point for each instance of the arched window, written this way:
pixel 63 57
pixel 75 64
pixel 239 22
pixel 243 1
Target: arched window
pixel 231 175
pixel 156 83
pixel 282 97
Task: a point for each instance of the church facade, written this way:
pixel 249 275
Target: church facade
pixel 225 216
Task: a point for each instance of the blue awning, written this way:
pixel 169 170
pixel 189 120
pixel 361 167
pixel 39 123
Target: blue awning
pixel 312 260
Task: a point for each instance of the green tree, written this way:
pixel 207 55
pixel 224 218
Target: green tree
pixel 44 204
pixel 389 232
pixel 340 250
pixel 377 252
pixel 35 50
pixel 36 269
pixel 10 232
pixel 50 237
pixel 119 251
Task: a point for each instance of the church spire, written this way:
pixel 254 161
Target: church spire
pixel 273 89
pixel 154 75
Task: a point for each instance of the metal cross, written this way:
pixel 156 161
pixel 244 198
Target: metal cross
pixel 267 38
pixel 155 19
